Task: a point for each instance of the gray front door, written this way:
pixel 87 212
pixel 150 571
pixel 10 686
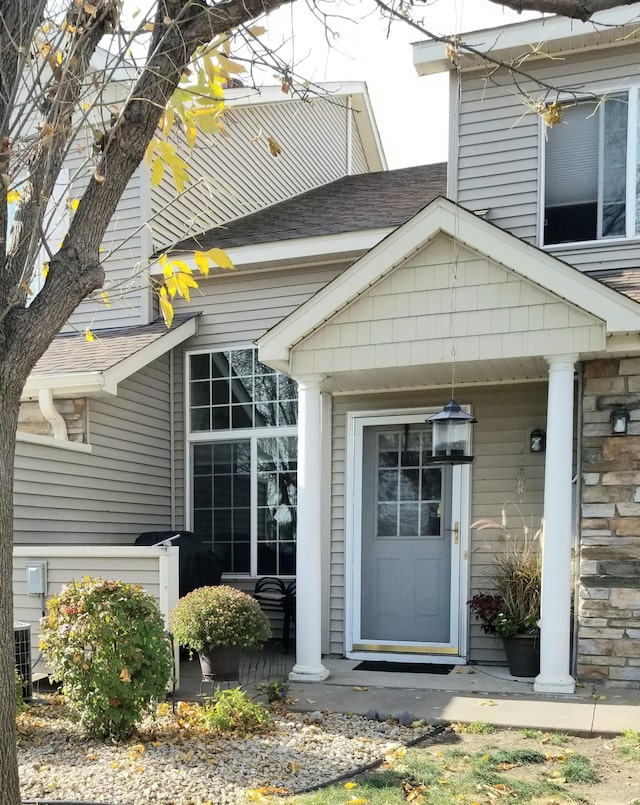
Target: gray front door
pixel 406 542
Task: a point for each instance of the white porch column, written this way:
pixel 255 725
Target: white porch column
pixel 309 667
pixel 555 620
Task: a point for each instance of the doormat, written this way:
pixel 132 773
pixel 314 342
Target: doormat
pixel 404 667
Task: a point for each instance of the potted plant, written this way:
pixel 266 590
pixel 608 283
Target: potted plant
pixel 512 608
pixel 218 623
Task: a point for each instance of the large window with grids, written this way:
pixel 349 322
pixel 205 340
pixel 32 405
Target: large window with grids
pixel 243 458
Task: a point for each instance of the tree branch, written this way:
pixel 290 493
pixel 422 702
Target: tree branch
pixel 576 9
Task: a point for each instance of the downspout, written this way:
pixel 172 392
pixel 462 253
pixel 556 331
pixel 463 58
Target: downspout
pixel 349 165
pixel 172 451
pixel 52 415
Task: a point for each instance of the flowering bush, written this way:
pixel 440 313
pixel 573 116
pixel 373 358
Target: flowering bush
pixel 105 642
pixel 219 616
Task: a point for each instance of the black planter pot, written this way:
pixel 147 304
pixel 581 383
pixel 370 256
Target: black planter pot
pixel 523 654
pixel 221 663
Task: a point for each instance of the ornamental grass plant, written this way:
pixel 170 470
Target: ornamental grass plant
pixel 219 616
pixel 515 577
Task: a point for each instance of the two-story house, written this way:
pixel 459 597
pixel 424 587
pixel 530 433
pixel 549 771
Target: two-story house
pixel 286 423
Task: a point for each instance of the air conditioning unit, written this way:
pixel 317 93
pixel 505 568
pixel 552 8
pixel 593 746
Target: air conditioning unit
pixel 22 638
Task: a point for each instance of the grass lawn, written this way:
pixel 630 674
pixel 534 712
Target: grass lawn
pixel 477 765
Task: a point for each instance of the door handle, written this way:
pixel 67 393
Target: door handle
pixel 456 533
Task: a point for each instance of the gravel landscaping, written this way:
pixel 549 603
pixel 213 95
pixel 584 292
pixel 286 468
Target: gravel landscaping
pixel 174 762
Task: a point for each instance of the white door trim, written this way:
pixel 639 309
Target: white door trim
pixel 455 652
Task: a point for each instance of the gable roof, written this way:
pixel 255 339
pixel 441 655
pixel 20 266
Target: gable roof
pixel 620 313
pixel 73 365
pixel 353 203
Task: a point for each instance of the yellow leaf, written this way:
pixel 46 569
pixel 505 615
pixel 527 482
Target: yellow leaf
pixel 257 30
pixel 220 258
pixel 105 298
pixel 166 122
pixel 191 134
pixel 125 676
pixel 59 57
pixel 13 196
pixel 274 147
pixel 90 9
pixel 183 283
pixel 350 785
pixel 74 204
pixel 230 66
pixel 89 335
pixel 166 307
pixel 202 261
pixel 358 801
pixel 157 172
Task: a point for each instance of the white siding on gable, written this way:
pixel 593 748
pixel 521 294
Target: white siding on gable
pixel 498 161
pixel 503 470
pixel 407 319
pixel 124 247
pixel 113 494
pixel 236 173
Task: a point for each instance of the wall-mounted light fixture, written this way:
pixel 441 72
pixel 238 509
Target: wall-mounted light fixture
pixel 537 440
pixel 619 420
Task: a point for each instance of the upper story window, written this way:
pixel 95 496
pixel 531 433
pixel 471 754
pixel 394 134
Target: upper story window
pixel 232 389
pixel 592 171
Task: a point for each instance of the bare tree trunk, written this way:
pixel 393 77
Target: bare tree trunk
pixel 9 406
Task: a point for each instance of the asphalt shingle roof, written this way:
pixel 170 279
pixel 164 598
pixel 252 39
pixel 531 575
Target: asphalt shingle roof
pixel 71 352
pixel 351 204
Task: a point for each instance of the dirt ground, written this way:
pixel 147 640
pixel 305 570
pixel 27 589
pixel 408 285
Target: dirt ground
pixel 619 775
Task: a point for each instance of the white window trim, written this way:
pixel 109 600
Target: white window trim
pixel 231 435
pixel 632 90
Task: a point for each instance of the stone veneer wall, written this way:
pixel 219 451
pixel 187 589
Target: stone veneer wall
pixel 609 590
pixel 74 413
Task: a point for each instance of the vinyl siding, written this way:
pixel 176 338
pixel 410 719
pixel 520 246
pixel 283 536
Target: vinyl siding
pixel 236 310
pixel 499 140
pixel 506 415
pixel 236 175
pixel 124 246
pixel 133 565
pixel 405 319
pixel 112 494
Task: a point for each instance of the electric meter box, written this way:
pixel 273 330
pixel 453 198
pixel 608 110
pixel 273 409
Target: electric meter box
pixel 36 577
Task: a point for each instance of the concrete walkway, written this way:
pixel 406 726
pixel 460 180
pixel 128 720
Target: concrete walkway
pixel 470 693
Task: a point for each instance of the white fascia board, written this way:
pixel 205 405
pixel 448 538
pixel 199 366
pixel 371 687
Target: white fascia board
pixel 143 357
pixel 368 130
pixel 296 249
pixel 249 96
pixel 430 57
pixel 620 313
pixel 71 384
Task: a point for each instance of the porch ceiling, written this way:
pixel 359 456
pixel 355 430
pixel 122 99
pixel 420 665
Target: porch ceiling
pixel 467 373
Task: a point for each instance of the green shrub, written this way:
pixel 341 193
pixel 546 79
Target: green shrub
pixel 219 616
pixel 235 711
pixel 105 642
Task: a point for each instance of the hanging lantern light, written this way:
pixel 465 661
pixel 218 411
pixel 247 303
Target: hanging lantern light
pixel 452 435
